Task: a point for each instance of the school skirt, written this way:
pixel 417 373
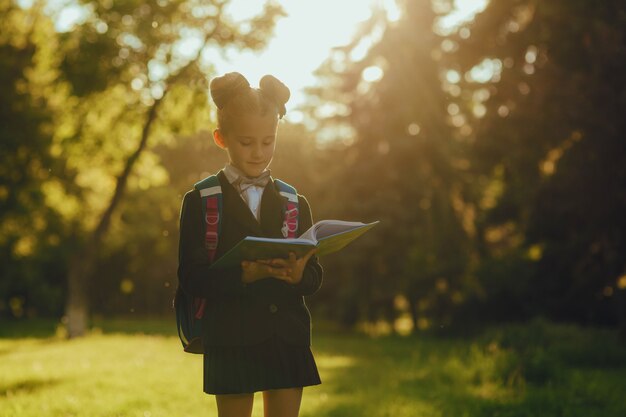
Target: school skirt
pixel 271 364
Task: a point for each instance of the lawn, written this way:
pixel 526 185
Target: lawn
pixel 137 368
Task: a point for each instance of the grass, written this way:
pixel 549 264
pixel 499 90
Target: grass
pixel 537 369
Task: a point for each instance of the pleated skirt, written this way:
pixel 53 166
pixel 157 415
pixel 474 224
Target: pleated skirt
pixel 272 364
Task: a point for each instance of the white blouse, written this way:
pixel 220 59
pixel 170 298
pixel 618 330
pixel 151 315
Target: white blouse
pixel 252 195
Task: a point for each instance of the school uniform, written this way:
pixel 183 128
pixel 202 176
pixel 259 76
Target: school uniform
pixel 256 336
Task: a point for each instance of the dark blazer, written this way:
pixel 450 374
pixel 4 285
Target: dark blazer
pixel 240 314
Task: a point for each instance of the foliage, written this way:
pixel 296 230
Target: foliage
pixel 90 98
pixel 552 134
pixel 403 169
pixel 493 154
pixel 30 229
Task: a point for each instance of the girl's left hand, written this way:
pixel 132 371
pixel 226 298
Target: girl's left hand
pixel 294 265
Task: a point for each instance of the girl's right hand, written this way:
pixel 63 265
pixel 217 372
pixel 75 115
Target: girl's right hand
pixel 254 271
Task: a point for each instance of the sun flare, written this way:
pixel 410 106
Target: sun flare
pixel 303 39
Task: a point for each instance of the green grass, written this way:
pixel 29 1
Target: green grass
pixel 538 369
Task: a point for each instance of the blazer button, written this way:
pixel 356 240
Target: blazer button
pixel 273 308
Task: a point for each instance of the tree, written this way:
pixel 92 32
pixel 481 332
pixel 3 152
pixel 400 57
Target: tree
pixel 128 72
pixel 494 152
pixel 550 138
pixel 400 169
pixel 29 229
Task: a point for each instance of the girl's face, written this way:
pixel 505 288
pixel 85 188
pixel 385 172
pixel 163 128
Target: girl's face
pixel 250 143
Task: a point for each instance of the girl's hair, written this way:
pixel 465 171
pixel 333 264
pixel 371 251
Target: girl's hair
pixel 234 97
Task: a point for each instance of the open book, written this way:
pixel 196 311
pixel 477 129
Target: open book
pixel 327 235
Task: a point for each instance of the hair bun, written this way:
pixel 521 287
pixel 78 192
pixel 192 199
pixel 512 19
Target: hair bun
pixel 275 91
pixel 225 87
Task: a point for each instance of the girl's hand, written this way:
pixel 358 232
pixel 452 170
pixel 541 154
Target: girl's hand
pixel 256 270
pixel 292 268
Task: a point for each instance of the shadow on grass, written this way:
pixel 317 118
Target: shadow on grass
pixel 27 386
pixel 165 326
pixel 46 328
pixel 27 328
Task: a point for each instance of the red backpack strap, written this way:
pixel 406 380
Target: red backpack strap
pixel 212 223
pixel 211 195
pixel 291 211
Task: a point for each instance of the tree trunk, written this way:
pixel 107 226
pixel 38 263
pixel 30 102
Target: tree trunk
pixel 82 263
pixel 413 310
pixel 620 298
pixel 77 306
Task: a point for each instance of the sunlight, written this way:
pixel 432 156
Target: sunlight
pixel 486 71
pixel 68 14
pixel 302 40
pixel 453 76
pixel 463 11
pixel 372 74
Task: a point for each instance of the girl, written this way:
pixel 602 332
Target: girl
pixel 256 329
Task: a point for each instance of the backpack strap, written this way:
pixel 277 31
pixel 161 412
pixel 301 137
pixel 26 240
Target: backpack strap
pixel 211 194
pixel 291 212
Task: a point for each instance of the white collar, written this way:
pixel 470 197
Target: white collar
pixel 233 173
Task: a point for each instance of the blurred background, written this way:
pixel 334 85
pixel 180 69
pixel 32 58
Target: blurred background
pixel 488 137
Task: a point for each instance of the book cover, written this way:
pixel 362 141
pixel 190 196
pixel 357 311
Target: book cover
pixel 327 235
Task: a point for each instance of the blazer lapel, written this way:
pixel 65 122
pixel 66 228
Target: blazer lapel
pixel 272 206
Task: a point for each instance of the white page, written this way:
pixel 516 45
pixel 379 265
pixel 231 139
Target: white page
pixel 326 228
pixel 299 240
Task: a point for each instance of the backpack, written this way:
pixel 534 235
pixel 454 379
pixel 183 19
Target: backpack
pixel 189 309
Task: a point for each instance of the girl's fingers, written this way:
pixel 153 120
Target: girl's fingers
pixel 277 270
pixel 285 278
pixel 275 261
pixel 279 262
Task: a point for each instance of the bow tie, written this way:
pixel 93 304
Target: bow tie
pixel 246 182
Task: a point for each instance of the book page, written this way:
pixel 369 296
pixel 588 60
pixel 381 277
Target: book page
pixel 296 240
pixel 325 228
pixel 339 240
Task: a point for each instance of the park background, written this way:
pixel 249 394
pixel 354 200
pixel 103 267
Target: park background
pixel 490 144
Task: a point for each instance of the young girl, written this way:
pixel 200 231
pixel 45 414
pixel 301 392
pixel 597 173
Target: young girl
pixel 256 329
